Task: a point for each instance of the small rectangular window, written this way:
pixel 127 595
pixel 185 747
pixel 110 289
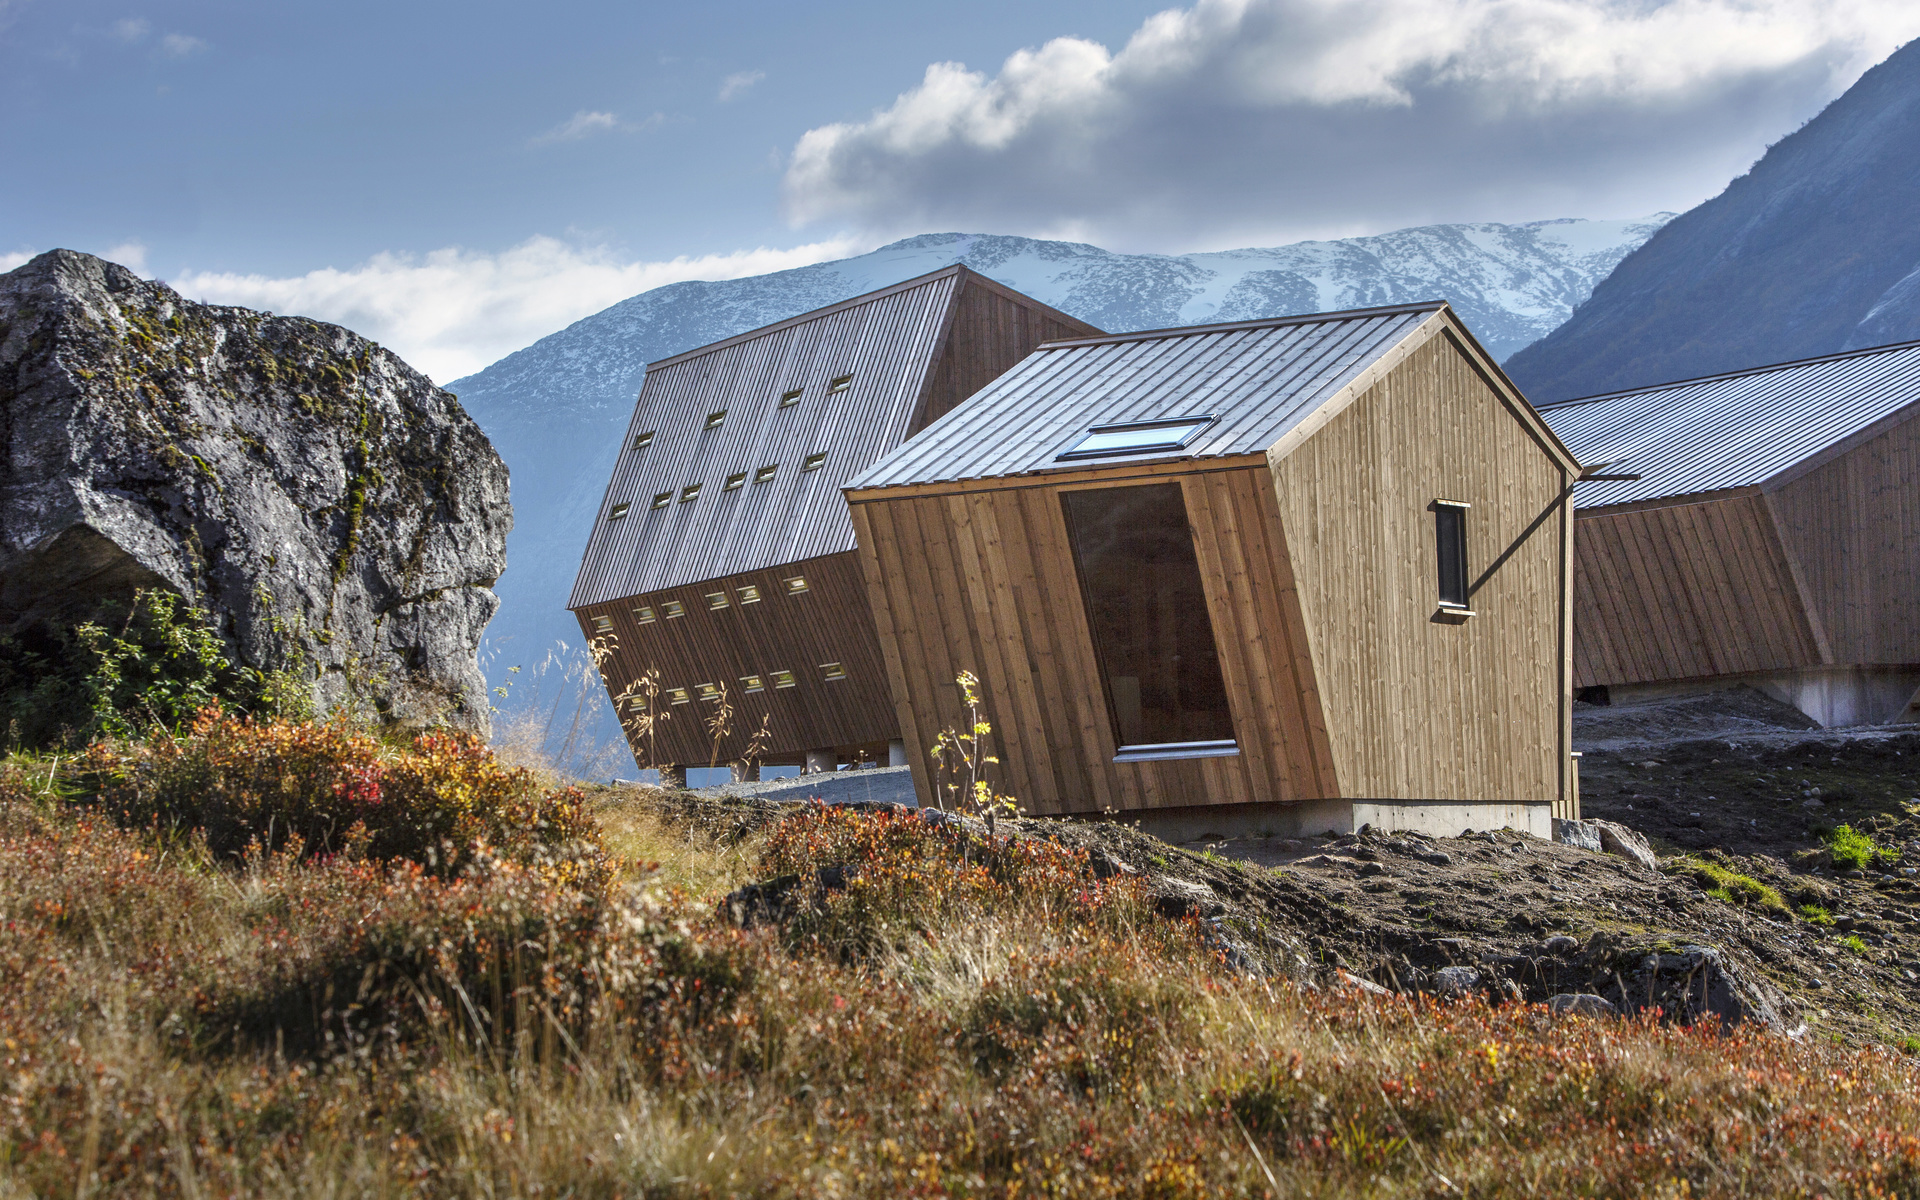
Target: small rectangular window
pixel 662 500
pixel 708 692
pixel 814 462
pixel 1135 437
pixel 642 440
pixel 1450 545
pixel 619 510
pixel 796 584
pixel 673 608
pixel 765 473
pixel 689 492
pixel 716 601
pixel 748 593
pixel 752 683
pixel 643 614
pixel 603 624
pixel 678 696
pixel 833 671
pixel 782 679
pixel 636 704
pixel 839 383
pixel 790 397
pixel 734 481
pixel 716 419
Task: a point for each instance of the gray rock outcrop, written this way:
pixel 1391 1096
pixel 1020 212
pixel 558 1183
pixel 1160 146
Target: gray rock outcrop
pixel 336 514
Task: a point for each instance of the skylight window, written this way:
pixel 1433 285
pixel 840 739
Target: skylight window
pixel 790 397
pixel 603 624
pixel 749 593
pixel 644 614
pixel 783 679
pixel 678 696
pixel 716 419
pixel 717 601
pixel 689 492
pixel 839 384
pixel 619 510
pixel 796 584
pixel 642 440
pixel 1136 437
pixel 814 461
pixel 833 671
pixel 766 473
pixel 734 481
pixel 673 608
pixel 662 500
pixel 752 683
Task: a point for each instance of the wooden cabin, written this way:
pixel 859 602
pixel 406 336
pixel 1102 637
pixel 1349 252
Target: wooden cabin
pixel 1760 527
pixel 721 563
pixel 1292 575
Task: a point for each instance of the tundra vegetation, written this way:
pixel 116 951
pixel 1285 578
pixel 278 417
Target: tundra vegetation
pixel 251 954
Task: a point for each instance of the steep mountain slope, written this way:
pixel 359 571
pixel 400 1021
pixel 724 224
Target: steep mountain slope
pixel 1813 251
pixel 558 409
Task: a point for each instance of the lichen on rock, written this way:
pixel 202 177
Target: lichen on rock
pixel 335 513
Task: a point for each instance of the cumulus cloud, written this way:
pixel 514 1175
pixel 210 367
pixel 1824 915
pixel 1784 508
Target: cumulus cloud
pixel 9 261
pixel 131 255
pixel 737 84
pixel 181 45
pixel 130 29
pixel 582 124
pixel 454 311
pixel 1236 119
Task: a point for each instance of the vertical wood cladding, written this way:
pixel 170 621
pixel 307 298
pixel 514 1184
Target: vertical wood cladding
pixel 984 581
pixel 992 329
pixel 1685 591
pixel 1417 709
pixel 1853 527
pixel 828 623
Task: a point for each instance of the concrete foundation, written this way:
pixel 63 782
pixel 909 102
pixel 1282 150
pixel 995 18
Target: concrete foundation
pixel 1439 818
pixel 1835 697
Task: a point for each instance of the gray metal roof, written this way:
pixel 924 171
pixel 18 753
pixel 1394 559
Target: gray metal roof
pixel 1258 379
pixel 886 340
pixel 1732 430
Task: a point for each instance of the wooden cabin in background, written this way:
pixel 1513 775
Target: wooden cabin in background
pixel 1772 537
pixel 723 558
pixel 1297 575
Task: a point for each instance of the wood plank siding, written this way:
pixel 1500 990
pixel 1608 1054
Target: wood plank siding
pixel 1685 591
pixel 782 631
pixel 985 581
pixel 1852 525
pixel 731 476
pixel 1414 708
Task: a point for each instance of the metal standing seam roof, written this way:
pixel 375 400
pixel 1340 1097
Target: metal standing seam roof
pixel 886 340
pixel 1258 379
pixel 1732 430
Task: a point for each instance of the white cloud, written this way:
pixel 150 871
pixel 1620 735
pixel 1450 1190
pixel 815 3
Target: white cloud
pixel 454 311
pixel 130 29
pixel 9 261
pixel 580 125
pixel 736 84
pixel 181 45
pixel 131 255
pixel 1234 118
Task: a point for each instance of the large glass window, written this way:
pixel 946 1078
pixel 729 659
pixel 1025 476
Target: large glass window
pixel 1148 612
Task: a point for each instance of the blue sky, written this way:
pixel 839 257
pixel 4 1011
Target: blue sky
pixel 460 179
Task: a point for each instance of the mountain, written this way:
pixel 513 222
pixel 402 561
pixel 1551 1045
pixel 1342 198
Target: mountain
pixel 558 409
pixel 1813 251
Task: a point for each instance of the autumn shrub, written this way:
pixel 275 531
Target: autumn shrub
pixel 329 788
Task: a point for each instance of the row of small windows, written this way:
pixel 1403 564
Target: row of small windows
pixel 734 482
pixel 789 398
pixel 744 594
pixel 710 692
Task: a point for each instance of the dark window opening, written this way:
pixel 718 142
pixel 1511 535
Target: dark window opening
pixel 1597 694
pixel 1450 542
pixel 1147 610
pixel 838 384
pixel 791 397
pixel 642 440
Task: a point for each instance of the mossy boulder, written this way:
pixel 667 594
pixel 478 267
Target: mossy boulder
pixel 335 514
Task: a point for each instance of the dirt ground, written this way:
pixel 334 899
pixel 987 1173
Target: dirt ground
pixel 1732 784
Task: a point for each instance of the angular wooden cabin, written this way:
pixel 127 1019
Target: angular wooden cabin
pixel 723 557
pixel 1296 575
pixel 1772 537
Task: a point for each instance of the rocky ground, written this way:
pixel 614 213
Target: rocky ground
pixel 1717 929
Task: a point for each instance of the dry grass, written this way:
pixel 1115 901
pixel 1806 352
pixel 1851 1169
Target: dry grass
pixel 947 1023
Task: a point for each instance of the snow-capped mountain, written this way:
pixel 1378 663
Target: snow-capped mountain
pixel 557 410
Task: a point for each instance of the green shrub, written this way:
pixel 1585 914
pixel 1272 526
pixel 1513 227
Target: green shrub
pixel 1852 944
pixel 247 783
pixel 1816 915
pixel 1851 850
pixel 1727 886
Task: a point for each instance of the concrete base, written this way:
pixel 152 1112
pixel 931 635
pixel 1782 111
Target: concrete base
pixel 1438 818
pixel 1835 697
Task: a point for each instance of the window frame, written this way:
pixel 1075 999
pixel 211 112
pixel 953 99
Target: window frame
pixel 1453 577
